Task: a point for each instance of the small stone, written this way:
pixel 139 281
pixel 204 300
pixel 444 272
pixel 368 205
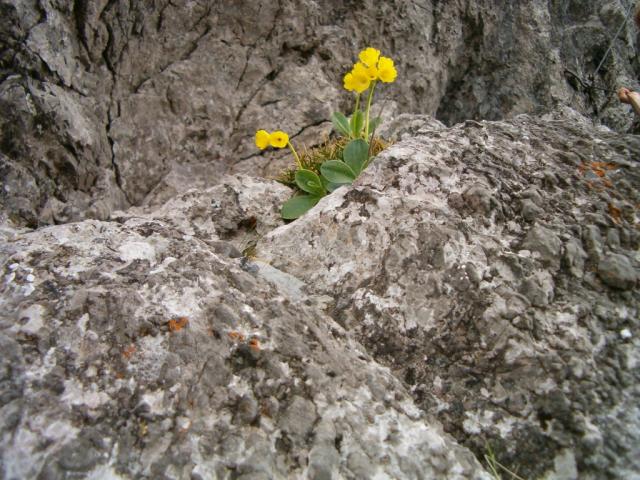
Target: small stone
pixel 613 238
pixel 14 266
pixel 625 333
pixel 574 258
pixel 530 211
pixel 592 241
pixel 30 278
pixel 544 241
pixel 616 271
pixel 247 409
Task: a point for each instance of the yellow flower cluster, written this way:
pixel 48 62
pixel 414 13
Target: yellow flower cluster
pixel 370 68
pixel 277 139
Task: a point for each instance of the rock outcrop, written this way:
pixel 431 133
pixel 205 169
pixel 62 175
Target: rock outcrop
pixel 475 288
pixel 494 267
pixel 103 100
pixel 148 347
pixel 475 291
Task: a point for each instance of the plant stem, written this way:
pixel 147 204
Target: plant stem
pixel 366 127
pixel 293 150
pixel 355 112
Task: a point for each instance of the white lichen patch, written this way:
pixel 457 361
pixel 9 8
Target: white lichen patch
pixel 75 393
pixel 154 402
pixel 31 319
pixel 137 251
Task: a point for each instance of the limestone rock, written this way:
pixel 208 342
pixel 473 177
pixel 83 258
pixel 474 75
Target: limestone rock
pixel 132 348
pixel 107 102
pixel 617 271
pixel 431 263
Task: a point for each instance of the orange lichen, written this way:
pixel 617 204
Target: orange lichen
pixel 254 344
pixel 129 351
pixel 236 336
pixel 177 324
pixel 598 168
pixel 615 213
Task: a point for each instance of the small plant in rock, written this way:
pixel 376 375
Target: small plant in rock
pixel 495 467
pixel 339 162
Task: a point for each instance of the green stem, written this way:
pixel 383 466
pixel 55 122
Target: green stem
pixel 366 127
pixel 355 112
pixel 293 150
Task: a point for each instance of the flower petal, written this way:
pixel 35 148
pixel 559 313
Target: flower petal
pixel 386 70
pixel 262 139
pixel 279 139
pixel 369 56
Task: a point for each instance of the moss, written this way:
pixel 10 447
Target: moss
pixel 331 149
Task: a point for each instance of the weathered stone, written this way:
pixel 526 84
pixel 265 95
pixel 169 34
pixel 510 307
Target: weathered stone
pixel 617 271
pixel 446 290
pixel 133 348
pixel 544 242
pixel 111 104
pixel 574 257
pixel 471 305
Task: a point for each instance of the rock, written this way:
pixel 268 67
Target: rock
pixel 530 211
pixel 545 243
pixel 168 324
pixel 471 305
pixel 136 347
pixel 574 257
pixel 112 104
pixel 617 271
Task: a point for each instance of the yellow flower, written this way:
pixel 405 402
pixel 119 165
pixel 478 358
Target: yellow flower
pixel 372 71
pixel 349 83
pixel 279 139
pixel 369 56
pixel 360 77
pixel 262 139
pixel 386 71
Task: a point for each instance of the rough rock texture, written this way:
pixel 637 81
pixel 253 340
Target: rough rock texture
pixel 476 287
pixel 148 348
pixel 494 267
pixel 103 100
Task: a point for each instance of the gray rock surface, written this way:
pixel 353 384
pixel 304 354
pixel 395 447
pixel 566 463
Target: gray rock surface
pixel 477 287
pixel 394 331
pixel 103 101
pixel 139 348
pixel 515 333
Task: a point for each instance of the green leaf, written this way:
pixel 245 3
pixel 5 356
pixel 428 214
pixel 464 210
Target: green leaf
pixel 329 186
pixel 296 206
pixel 333 186
pixel 310 182
pixel 341 124
pixel 374 123
pixel 356 154
pixel 356 122
pixel 337 172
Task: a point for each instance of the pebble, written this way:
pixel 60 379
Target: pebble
pixel 616 271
